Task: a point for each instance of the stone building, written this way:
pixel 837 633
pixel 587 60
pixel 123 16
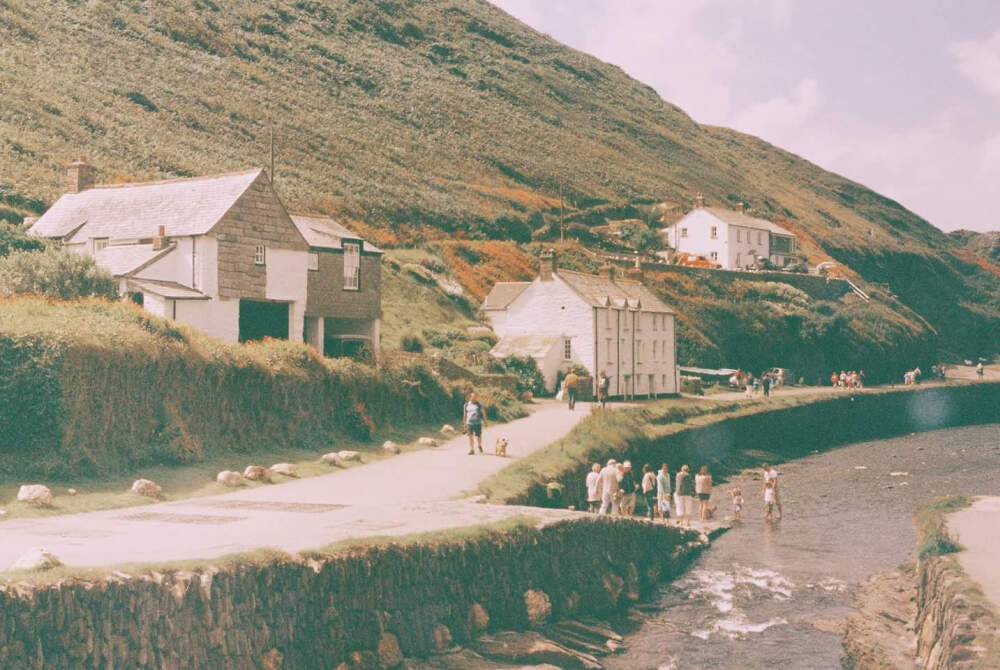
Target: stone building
pixel 222 254
pixel 600 322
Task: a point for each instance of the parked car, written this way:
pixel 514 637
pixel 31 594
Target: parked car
pixel 695 261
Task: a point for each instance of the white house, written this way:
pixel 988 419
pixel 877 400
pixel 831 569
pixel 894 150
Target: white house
pixel 731 238
pixel 601 322
pixel 220 253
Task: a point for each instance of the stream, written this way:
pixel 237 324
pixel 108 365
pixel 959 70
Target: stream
pixel 770 595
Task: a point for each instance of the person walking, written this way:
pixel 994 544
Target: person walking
pixel 630 487
pixel 766 385
pixel 603 386
pixel 685 495
pixel 594 487
pixel 570 382
pixel 663 491
pixel 475 421
pixel 771 475
pixel 703 488
pixel 609 488
pixel 979 370
pixel 649 490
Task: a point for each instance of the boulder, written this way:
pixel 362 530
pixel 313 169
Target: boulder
pixel 388 653
pixel 35 494
pixel 286 469
pixel 389 445
pixel 348 455
pixel 479 620
pixel 257 473
pixel 333 458
pixel 537 606
pixel 448 429
pixel 442 637
pixel 147 487
pixel 427 442
pixel 229 478
pixel 71 492
pixel 36 559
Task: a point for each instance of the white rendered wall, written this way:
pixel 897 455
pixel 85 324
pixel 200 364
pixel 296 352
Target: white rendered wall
pixel 287 280
pixel 498 320
pixel 218 318
pixel 699 239
pixel 747 243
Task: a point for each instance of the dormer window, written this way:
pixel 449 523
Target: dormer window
pixel 100 243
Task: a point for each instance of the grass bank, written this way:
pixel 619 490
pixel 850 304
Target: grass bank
pixel 932 526
pixel 729 436
pixel 92 389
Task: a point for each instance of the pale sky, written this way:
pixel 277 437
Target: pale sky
pixel 900 95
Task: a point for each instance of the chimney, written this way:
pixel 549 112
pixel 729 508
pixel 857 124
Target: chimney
pixel 160 241
pixel 547 266
pixel 699 201
pixel 80 176
pixel 635 272
pixel 606 271
pixel 739 207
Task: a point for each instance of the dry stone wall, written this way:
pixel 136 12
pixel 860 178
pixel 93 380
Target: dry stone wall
pixel 353 608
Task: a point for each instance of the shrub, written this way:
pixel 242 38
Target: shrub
pixel 15 238
pixel 54 273
pixel 412 343
pixel 525 368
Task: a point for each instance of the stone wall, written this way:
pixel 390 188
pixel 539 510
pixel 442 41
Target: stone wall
pixel 327 296
pixel 321 611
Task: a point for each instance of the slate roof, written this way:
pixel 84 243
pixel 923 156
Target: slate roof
pixel 601 292
pixel 166 289
pixel 323 232
pixel 130 211
pixel 503 293
pixel 536 345
pixel 736 218
pixel 123 259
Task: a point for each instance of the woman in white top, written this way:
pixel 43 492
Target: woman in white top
pixel 703 488
pixel 594 487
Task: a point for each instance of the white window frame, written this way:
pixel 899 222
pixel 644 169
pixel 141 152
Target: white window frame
pixel 313 262
pixel 714 255
pixel 567 349
pixel 715 232
pixel 352 270
pixel 260 255
pixel 684 232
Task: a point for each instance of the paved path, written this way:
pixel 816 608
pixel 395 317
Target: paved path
pixel 410 493
pixel 977 528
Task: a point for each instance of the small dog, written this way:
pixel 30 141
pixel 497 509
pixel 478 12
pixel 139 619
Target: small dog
pixel 500 448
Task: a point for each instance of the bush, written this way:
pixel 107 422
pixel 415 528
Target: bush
pixel 15 238
pixel 55 273
pixel 525 368
pixel 413 343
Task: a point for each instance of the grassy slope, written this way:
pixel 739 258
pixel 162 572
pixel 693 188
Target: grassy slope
pixel 421 118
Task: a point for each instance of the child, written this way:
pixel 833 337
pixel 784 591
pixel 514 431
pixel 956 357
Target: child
pixel 737 496
pixel 768 499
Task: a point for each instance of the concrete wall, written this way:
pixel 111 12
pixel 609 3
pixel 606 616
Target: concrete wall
pixel 320 612
pixel 218 318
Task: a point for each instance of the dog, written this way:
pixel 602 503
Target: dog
pixel 500 448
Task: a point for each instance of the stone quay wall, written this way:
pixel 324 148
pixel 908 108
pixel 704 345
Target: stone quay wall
pixel 353 608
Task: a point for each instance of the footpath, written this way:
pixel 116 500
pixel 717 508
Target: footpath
pixel 977 528
pixel 414 492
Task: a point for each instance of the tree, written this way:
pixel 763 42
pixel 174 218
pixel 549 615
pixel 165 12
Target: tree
pixel 641 237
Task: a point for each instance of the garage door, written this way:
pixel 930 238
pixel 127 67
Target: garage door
pixel 259 319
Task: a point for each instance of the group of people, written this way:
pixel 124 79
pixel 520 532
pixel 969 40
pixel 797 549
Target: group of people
pixel 911 377
pixel 616 489
pixel 753 385
pixel 854 379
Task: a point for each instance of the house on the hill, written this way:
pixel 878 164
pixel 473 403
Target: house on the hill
pixel 731 238
pixel 222 254
pixel 601 322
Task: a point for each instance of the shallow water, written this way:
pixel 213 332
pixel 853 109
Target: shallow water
pixel 767 595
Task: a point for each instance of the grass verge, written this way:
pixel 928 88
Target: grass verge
pixel 932 527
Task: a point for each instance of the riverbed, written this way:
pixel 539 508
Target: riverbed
pixel 771 594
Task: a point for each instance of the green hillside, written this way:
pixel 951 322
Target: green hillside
pixel 424 119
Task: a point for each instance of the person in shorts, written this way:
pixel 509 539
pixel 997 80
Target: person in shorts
pixel 703 488
pixel 594 488
pixel 475 421
pixel 737 495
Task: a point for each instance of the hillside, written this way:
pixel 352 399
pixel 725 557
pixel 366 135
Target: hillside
pixel 985 244
pixel 426 120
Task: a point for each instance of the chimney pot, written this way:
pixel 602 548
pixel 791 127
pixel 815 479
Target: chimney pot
pixel 160 241
pixel 80 176
pixel 740 207
pixel 699 200
pixel 547 265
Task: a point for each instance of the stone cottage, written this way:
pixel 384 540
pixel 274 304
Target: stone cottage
pixel 222 254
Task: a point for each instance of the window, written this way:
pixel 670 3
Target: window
pixel 714 255
pixel 760 237
pixel 259 257
pixel 352 266
pixel 739 234
pixel 100 243
pixel 314 261
pixel 610 360
pixel 656 319
pixel 567 349
pixel 715 232
pixel 607 318
pixel 738 261
pixel 684 232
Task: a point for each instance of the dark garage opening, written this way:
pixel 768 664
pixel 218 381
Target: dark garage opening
pixel 259 319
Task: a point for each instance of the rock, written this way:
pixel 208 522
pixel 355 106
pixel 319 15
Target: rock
pixel 531 648
pixel 427 442
pixel 229 478
pixel 537 606
pixel 333 458
pixel 388 652
pixel 479 620
pixel 71 492
pixel 632 581
pixel 389 445
pixel 348 455
pixel 148 488
pixel 899 474
pixel 36 559
pixel 35 494
pixel 257 473
pixel 285 469
pixel 442 637
pixel 448 429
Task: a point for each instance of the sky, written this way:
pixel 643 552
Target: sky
pixel 900 95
